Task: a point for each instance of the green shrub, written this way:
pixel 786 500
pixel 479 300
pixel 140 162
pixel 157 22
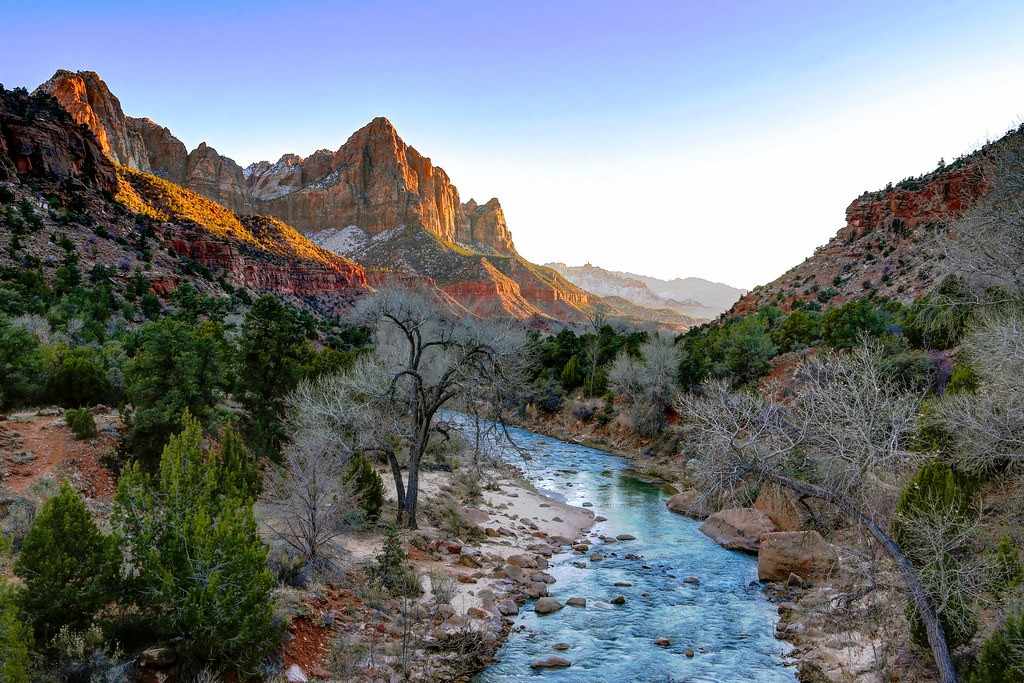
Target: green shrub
pixel 81 422
pixel 963 380
pixel 845 326
pixel 800 329
pixel 1009 571
pixel 392 571
pixel 77 377
pixel 1001 659
pixel 15 639
pixel 201 568
pixel 939 319
pixel 367 486
pixel 572 376
pixel 21 366
pixel 70 568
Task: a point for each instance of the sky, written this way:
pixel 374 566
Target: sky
pixel 721 140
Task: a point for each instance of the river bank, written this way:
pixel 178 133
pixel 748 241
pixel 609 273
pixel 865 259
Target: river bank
pixel 847 627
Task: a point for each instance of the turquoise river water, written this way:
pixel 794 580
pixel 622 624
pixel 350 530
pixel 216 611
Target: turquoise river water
pixel 725 620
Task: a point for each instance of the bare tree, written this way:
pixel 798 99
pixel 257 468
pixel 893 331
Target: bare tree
pixel 988 427
pixel 430 361
pixel 840 440
pixel 306 496
pixel 647 384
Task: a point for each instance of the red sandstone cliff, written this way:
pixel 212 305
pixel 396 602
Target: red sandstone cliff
pixel 888 247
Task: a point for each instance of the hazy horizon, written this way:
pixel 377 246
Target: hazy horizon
pixel 674 140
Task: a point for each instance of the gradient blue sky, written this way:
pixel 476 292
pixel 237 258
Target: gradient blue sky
pixel 717 139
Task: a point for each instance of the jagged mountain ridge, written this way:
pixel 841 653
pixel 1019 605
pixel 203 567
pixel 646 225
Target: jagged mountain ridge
pixel 693 298
pixel 374 182
pixel 110 214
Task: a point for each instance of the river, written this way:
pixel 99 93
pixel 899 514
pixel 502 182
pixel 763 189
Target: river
pixel 725 621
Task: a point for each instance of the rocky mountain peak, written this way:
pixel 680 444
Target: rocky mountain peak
pixel 85 96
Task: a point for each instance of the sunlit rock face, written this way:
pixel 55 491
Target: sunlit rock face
pixel 85 96
pixel 373 199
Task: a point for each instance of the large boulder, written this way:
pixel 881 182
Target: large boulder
pixel 738 528
pixel 689 503
pixel 547 606
pixel 804 553
pixel 782 507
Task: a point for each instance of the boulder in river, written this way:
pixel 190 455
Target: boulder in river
pixel 550 662
pixel 782 507
pixel 546 606
pixel 618 600
pixel 804 553
pixel 738 528
pixel 576 602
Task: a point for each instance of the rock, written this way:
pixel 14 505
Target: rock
pixel 618 600
pixel 469 561
pixel 599 518
pixel 625 537
pixel 536 589
pixel 689 503
pixel 508 608
pixel 692 580
pixel 576 602
pixel 596 557
pixel 623 584
pixel 738 528
pixel 522 561
pixel 561 647
pixel 689 652
pixel 588 505
pixel 546 606
pixel 662 642
pixel 295 674
pixel 580 565
pixel 783 507
pixel 804 553
pixel 552 662
pixel 465 578
pixel 477 613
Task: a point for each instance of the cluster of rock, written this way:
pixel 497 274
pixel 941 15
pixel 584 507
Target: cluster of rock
pixel 773 529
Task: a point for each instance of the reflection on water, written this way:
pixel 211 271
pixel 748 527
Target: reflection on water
pixel 725 620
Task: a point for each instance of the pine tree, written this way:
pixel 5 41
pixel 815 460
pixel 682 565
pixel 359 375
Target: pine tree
pixel 69 566
pixel 369 488
pixel 202 568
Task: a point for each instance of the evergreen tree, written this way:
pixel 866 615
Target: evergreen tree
pixel 273 352
pixel 70 568
pixel 202 569
pixel 175 367
pixel 369 488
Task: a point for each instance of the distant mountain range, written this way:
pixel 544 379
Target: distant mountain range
pixel 693 297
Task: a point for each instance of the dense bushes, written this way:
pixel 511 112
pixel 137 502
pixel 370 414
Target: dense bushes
pixel 69 567
pixel 843 327
pixel 739 349
pixel 77 377
pixel 21 365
